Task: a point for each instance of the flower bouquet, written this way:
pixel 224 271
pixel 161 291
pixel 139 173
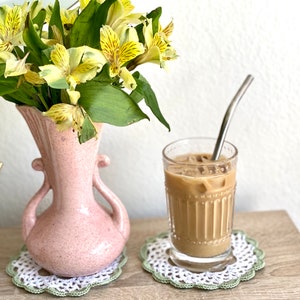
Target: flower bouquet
pixel 77 65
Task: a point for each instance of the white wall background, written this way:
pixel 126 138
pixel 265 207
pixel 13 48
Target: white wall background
pixel 219 43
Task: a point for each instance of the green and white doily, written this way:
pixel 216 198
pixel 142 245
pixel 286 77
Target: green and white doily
pixel 249 259
pixel 27 274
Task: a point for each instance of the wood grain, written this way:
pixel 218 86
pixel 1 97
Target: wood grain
pixel 274 230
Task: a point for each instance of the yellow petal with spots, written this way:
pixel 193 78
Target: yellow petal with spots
pixel 33 77
pixel 109 42
pixel 116 54
pixel 85 71
pixel 159 41
pixel 2 29
pixel 60 57
pixel 129 51
pixel 168 30
pixel 13 20
pixel 66 116
pixel 61 114
pixel 6 46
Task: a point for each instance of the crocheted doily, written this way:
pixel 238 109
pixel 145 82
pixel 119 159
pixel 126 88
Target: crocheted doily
pixel 27 274
pixel 249 259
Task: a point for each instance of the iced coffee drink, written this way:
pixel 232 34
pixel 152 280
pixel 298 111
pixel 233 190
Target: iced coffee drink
pixel 200 198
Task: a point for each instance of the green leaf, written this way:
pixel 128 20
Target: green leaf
pixel 39 19
pixel 11 99
pixel 47 53
pixel 101 15
pixel 88 130
pixel 136 96
pixel 8 86
pixel 107 104
pixel 19 52
pixel 104 75
pixel 155 15
pixel 86 29
pixel 140 33
pixel 33 42
pixel 82 30
pixel 19 98
pixel 144 89
pixel 2 69
pixel 16 91
pixel 55 20
pixel 25 94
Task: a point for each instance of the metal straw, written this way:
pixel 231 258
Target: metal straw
pixel 228 115
pixel 74 5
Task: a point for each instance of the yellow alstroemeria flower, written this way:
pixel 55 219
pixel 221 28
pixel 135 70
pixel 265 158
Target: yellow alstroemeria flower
pixel 12 20
pixel 118 54
pixel 33 77
pixel 68 18
pixel 13 67
pixel 66 116
pixel 119 15
pixel 119 9
pixel 83 4
pixel 69 116
pixel 158 48
pixel 72 66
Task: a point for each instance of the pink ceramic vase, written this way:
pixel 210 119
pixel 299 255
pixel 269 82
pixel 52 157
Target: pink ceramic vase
pixel 75 236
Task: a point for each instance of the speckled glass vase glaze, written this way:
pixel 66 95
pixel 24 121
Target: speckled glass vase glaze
pixel 75 236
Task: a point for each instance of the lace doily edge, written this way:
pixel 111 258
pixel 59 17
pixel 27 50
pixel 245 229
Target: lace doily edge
pixel 18 282
pixel 259 264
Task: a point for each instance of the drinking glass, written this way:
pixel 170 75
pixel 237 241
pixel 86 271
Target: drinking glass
pixel 200 199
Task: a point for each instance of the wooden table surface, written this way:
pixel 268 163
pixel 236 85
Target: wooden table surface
pixel 274 230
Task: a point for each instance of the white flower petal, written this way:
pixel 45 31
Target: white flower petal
pixel 15 67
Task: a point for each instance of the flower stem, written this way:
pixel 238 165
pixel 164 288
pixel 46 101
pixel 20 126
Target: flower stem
pixel 40 96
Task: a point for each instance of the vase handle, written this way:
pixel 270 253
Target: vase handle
pixel 119 213
pixel 29 214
